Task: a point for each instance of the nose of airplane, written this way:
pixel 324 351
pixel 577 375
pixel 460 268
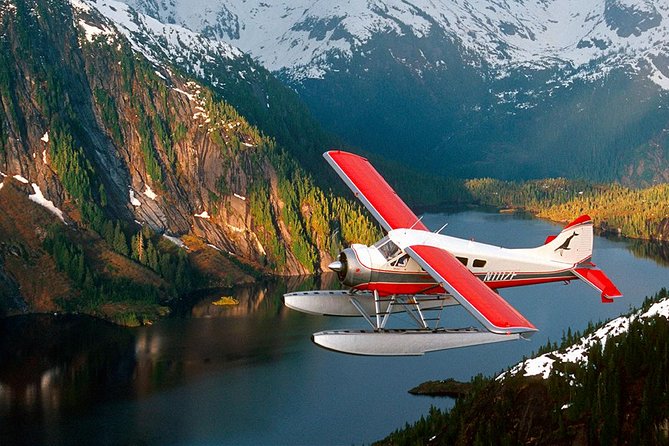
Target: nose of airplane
pixel 336 266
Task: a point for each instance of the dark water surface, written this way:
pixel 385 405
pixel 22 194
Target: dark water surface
pixel 249 374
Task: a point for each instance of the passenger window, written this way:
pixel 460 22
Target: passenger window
pixel 402 261
pixel 478 263
pixel 463 260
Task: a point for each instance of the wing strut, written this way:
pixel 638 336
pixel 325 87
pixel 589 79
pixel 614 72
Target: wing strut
pixel 484 304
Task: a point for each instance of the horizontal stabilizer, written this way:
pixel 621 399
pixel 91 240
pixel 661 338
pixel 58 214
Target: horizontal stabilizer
pixel 599 280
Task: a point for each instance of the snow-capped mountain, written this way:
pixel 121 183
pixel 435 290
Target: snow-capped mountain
pixel 301 37
pixel 468 87
pixel 196 54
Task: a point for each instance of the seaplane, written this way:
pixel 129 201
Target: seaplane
pixel 420 273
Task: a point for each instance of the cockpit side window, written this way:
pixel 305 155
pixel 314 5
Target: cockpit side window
pixel 401 261
pixel 381 242
pixel 389 250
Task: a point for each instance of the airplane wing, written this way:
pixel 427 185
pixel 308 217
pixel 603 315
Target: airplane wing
pixel 483 303
pixel 389 209
pixel 373 191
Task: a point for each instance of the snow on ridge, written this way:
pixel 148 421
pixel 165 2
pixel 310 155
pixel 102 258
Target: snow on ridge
pixel 203 214
pixel 156 40
pixel 578 353
pixel 302 37
pixel 39 198
pixel 91 32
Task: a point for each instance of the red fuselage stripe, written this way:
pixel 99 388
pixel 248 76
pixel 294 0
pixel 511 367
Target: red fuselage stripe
pixel 430 287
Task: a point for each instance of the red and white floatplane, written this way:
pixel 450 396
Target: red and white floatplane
pixel 420 273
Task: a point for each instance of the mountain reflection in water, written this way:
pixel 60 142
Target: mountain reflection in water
pixel 52 365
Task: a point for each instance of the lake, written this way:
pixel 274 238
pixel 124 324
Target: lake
pixel 250 375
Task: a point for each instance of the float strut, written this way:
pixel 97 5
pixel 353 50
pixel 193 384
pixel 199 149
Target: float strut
pixel 377 307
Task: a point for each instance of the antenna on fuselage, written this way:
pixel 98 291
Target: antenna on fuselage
pixel 417 221
pixel 441 229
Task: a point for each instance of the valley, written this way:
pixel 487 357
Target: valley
pixel 159 159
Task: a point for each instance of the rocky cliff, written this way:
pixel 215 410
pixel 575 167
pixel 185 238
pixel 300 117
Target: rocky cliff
pixel 105 126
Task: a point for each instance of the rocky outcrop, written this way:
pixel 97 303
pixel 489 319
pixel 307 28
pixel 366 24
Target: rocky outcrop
pixel 89 119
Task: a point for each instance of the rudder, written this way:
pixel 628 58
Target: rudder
pixel 573 245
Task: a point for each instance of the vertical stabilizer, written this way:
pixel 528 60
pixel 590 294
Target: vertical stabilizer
pixel 573 245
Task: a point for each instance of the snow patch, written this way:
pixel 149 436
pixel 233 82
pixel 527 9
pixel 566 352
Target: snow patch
pixel 21 179
pixel 240 197
pixel 658 309
pixel 133 200
pixel 176 240
pixel 92 31
pixel 235 228
pixel 45 138
pixel 213 246
pixel 185 93
pixel 44 157
pixel 578 352
pixel 203 214
pixel 38 197
pixel 150 193
pixel 80 5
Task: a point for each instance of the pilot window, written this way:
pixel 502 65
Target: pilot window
pixel 463 260
pixel 478 263
pixel 389 250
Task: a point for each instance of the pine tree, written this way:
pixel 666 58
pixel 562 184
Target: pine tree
pixel 120 244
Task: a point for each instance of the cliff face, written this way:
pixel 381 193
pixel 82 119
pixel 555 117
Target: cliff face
pixel 99 121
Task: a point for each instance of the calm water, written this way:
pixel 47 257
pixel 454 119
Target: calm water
pixel 249 374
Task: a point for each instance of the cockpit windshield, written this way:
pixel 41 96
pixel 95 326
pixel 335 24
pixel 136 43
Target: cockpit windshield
pixel 388 249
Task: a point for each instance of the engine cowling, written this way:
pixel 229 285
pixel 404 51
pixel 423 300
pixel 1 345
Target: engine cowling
pixel 351 267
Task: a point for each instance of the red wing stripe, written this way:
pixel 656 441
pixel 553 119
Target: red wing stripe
pixel 373 191
pixel 484 304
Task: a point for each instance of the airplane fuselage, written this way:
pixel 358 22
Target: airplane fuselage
pixel 385 267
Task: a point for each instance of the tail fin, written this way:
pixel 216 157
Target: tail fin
pixel 573 245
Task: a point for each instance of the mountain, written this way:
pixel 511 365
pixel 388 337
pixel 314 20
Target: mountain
pixel 510 89
pixel 607 386
pixel 140 161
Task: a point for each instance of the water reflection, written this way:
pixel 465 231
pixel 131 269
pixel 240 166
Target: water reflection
pixel 68 379
pixel 657 251
pixel 67 362
pixel 176 349
pixel 50 364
